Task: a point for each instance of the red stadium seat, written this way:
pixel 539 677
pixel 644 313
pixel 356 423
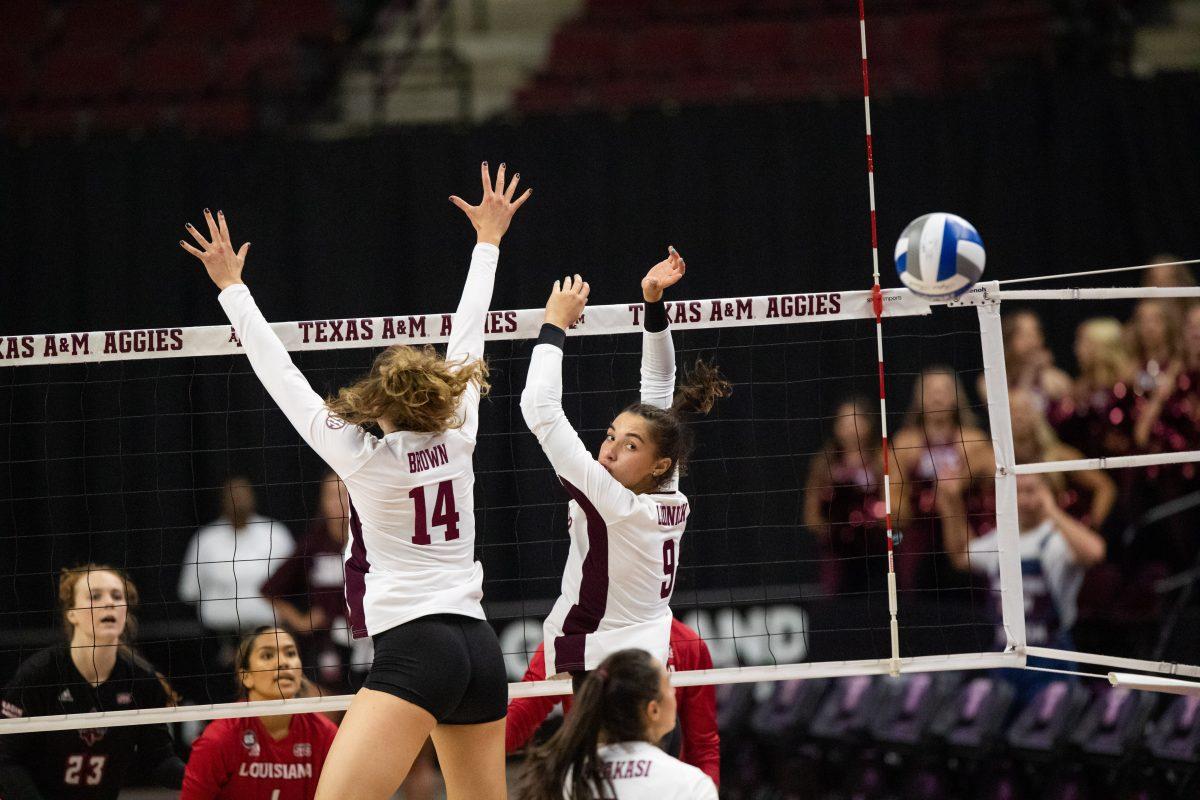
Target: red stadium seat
pixel 203 19
pixel 130 116
pixel 15 83
pixel 172 68
pixel 109 23
pixel 25 24
pixel 582 52
pixel 663 50
pixel 623 11
pixel 265 63
pixel 222 115
pixel 680 9
pixel 547 97
pixel 76 73
pixel 627 93
pixel 753 47
pixel 307 19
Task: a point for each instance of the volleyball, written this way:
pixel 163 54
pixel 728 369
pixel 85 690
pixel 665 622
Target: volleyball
pixel 939 256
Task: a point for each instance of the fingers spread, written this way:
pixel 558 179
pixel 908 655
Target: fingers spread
pixel 224 226
pixel 486 175
pixel 463 204
pixel 241 256
pixel 512 187
pixel 191 249
pixel 214 233
pixel 521 200
pixel 500 179
pixel 200 240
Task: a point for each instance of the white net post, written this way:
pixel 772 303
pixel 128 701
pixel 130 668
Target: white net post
pixel 1012 597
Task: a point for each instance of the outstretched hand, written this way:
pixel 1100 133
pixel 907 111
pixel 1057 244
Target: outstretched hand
pixel 495 211
pixel 567 300
pixel 216 253
pixel 662 275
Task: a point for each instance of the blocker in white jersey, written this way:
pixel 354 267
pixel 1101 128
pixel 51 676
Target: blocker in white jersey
pixel 627 515
pixel 412 582
pixel 412 507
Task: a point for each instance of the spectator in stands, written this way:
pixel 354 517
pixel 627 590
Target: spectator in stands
pixel 224 567
pixel 1028 363
pixel 1167 420
pixel 1088 494
pixel 939 442
pixel 1153 341
pixel 307 591
pixel 695 739
pixel 95 670
pixel 1055 550
pixel 231 759
pixel 1095 417
pixel 1169 273
pixel 843 501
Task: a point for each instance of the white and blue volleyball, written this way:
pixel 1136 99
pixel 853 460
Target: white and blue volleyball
pixel 939 256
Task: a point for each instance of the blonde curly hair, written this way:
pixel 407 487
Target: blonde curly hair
pixel 415 388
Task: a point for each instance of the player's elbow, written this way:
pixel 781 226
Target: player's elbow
pixel 537 407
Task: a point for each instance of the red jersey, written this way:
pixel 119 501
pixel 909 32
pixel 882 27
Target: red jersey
pixel 237 758
pixel 701 744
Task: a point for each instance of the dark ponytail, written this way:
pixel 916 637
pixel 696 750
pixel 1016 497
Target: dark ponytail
pixel 611 702
pixel 701 389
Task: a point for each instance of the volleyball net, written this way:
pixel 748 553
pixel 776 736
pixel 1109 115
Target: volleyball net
pixel 119 446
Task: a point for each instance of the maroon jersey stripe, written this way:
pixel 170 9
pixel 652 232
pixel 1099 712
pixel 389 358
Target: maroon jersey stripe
pixel 584 617
pixel 357 567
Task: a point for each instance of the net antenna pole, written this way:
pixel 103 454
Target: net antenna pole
pixel 877 305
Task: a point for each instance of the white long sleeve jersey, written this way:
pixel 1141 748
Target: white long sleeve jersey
pixel 642 771
pixel 412 508
pixel 625 547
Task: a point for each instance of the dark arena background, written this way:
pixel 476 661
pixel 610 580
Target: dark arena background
pixel 331 132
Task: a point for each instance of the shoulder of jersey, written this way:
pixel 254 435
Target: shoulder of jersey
pixel 49 659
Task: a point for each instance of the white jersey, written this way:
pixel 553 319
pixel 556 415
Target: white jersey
pixel 412 507
pixel 642 771
pixel 625 547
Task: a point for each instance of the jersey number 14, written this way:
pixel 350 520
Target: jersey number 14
pixel 444 514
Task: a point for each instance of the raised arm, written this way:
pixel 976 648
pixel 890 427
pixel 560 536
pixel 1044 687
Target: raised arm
pixel 541 405
pixel 490 219
pixel 344 447
pixel 658 350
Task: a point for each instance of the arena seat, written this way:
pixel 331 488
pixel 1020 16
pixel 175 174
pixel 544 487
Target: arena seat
pixel 203 19
pixel 110 23
pixel 582 52
pixel 296 19
pixel 75 73
pixel 662 50
pixel 172 69
pixel 26 24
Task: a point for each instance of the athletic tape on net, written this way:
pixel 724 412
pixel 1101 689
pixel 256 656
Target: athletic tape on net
pixel 340 334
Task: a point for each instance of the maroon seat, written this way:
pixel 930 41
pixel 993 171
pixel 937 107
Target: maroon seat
pixel 203 19
pixel 753 47
pixel 623 11
pixel 82 73
pixel 264 63
pixel 45 121
pixel 680 9
pixel 172 68
pixel 15 84
pixel 546 96
pixel 663 51
pixel 25 24
pixel 627 93
pixel 582 52
pixel 310 19
pixel 229 115
pixel 828 40
pixel 127 116
pixel 102 23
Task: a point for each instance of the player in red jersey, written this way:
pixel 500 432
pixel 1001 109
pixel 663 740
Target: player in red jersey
pixel 261 758
pixel 699 745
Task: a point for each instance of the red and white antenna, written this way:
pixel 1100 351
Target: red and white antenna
pixel 877 304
